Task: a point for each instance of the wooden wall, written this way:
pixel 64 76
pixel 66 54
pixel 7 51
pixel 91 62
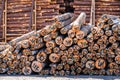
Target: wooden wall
pixel 19 13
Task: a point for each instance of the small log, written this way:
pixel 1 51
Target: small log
pixel 37 66
pixel 112 39
pixel 48 50
pixel 94 30
pixel 56 49
pixel 31 58
pixel 82 43
pixel 50 44
pixel 41 56
pixel 47 38
pixel 54 57
pixel 83 31
pixel 90 64
pixel 54 35
pixel 71 33
pixel 65 29
pixel 59 40
pixel 25 44
pixel 90 38
pixel 26 52
pixel 108 32
pixel 117 59
pixel 67 41
pixel 26 70
pixel 100 64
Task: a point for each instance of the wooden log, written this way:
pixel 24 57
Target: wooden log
pixel 90 64
pixel 54 58
pixel 64 23
pixel 56 49
pixel 117 59
pixel 83 31
pixel 64 58
pixel 26 52
pixel 50 44
pixel 65 29
pixel 41 56
pixel 59 40
pixel 67 41
pixel 25 44
pixel 54 35
pixel 47 38
pixel 112 39
pixel 5 52
pixel 3 47
pixel 100 64
pixel 48 50
pixel 90 38
pixel 37 66
pixel 26 70
pixel 79 21
pixel 94 30
pixel 82 43
pixel 71 33
pixel 63 17
pixel 31 58
pixel 23 37
pixel 108 32
pixel 115 28
pixel 113 65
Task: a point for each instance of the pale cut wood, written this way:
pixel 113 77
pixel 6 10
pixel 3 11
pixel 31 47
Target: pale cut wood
pixel 79 21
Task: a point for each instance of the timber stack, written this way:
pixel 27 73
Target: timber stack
pixel 69 46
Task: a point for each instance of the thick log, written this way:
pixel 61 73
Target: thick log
pixel 37 66
pixel 41 56
pixel 54 58
pixel 23 37
pixel 71 33
pixel 63 17
pixel 59 40
pixel 90 64
pixel 67 41
pixel 79 21
pixel 50 44
pixel 26 70
pixel 82 43
pixel 83 31
pixel 100 64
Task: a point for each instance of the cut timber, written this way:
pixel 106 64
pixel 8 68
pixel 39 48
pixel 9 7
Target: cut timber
pixel 79 21
pixel 37 66
pixel 54 57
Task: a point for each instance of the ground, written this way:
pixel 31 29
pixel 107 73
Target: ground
pixel 33 77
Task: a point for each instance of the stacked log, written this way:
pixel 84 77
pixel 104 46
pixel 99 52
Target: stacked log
pixel 82 6
pixel 18 14
pixel 67 47
pixel 46 10
pixel 1 28
pixel 103 45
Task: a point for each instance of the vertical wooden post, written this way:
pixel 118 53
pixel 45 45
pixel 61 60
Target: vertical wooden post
pixel 34 15
pixel 92 15
pixel 5 20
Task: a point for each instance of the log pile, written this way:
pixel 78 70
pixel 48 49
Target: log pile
pixel 69 46
pixel 18 18
pixel 1 29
